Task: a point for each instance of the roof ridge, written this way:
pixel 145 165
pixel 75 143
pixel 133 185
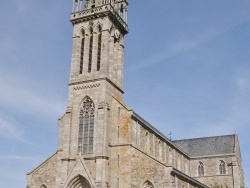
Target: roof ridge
pixel 204 137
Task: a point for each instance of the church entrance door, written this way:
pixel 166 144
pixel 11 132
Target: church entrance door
pixel 79 182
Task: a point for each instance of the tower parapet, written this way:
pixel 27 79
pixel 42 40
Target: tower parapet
pixel 89 9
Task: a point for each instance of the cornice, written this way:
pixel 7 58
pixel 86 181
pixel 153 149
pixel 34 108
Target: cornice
pixel 98 79
pixel 98 12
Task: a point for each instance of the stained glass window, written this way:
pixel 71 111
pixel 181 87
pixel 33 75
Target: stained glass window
pixel 86 127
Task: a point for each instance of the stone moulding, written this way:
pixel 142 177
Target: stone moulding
pixel 101 11
pixel 87 87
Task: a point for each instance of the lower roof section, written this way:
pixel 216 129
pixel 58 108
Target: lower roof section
pixel 186 178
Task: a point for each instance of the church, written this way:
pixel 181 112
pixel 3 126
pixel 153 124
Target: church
pixel 105 144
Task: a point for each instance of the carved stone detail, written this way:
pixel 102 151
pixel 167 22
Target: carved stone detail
pixel 86 87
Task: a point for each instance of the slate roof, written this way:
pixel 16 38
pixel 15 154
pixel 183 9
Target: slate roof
pixel 207 146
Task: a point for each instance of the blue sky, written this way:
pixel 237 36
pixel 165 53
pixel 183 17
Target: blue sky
pixel 187 70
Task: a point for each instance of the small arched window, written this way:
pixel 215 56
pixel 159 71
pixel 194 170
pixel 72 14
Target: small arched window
pixel 86 127
pixel 146 142
pixel 43 186
pixel 222 167
pixel 148 184
pixel 201 169
pixel 160 149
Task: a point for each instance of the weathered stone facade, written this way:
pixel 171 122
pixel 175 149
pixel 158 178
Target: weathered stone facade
pixel 102 142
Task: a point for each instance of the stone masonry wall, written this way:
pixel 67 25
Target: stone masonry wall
pixel 45 174
pixel 212 174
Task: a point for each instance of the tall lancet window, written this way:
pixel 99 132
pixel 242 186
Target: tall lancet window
pixel 222 167
pixel 99 50
pixel 90 50
pixel 86 127
pixel 82 53
pixel 201 169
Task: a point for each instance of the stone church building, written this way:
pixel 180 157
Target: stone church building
pixel 105 144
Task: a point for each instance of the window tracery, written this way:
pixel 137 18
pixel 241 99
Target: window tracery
pixel 86 127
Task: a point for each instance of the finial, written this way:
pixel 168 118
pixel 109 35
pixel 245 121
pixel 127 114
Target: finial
pixel 80 149
pixel 170 135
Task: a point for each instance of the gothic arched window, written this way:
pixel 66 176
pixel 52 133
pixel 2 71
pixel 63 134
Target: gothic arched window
pixel 82 52
pixel 90 49
pixel 222 167
pixel 99 50
pixel 147 184
pixel 201 169
pixel 43 186
pixel 86 127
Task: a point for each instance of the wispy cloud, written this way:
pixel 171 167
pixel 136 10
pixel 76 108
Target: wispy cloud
pixel 182 45
pixel 242 81
pixel 21 157
pixel 237 118
pixel 21 95
pixel 170 51
pixel 9 130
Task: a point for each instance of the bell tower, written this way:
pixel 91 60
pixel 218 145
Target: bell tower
pixel 84 154
pixel 98 40
pixel 96 78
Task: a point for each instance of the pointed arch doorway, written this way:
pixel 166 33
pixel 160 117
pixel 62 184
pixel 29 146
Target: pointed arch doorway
pixel 79 182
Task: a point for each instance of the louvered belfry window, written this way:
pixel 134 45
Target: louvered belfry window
pixel 90 51
pixel 86 127
pixel 82 55
pixel 99 50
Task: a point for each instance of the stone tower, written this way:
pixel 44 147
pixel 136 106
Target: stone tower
pixel 96 76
